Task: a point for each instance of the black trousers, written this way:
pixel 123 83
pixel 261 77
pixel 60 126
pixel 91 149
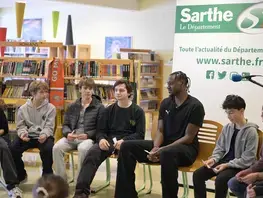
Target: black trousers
pixel 91 163
pixel 203 174
pixel 18 147
pixel 8 165
pixel 170 159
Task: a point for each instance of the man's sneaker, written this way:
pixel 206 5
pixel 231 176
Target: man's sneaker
pixel 15 193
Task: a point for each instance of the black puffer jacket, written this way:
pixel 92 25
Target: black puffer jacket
pixel 92 116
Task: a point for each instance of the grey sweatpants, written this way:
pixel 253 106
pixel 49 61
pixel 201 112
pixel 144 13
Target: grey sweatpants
pixel 62 146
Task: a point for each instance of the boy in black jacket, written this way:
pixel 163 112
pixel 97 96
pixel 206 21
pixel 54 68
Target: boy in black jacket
pixel 7 163
pixel 80 126
pixel 121 121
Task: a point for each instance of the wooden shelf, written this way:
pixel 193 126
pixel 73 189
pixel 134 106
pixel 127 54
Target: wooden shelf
pixel 149 99
pixel 15 100
pixel 114 78
pixel 25 76
pixel 104 61
pixel 30 44
pixel 150 74
pixel 150 87
pixel 23 59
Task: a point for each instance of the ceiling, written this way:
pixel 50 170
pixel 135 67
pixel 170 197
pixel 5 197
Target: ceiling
pixel 121 4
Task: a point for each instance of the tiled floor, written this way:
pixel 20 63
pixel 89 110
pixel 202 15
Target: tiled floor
pixel 34 174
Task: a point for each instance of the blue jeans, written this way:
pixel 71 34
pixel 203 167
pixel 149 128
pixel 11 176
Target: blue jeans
pixel 237 187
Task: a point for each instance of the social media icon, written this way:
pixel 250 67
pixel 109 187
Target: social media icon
pixel 210 74
pixel 221 75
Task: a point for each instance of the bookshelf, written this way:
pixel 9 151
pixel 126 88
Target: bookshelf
pixel 23 62
pixel 77 51
pixel 104 72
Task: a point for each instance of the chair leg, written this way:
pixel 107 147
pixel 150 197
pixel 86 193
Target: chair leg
pixel 72 166
pixel 151 180
pixel 2 182
pixel 144 180
pixel 185 184
pixel 108 177
pixel 228 194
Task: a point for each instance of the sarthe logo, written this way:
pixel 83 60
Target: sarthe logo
pixel 250 21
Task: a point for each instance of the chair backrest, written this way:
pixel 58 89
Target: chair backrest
pixel 260 141
pixel 207 137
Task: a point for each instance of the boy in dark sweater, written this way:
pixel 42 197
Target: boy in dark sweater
pixel 120 122
pixel 7 163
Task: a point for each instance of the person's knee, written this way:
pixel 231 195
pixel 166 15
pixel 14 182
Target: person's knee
pixel 198 175
pixel 57 148
pixel 166 156
pixel 3 145
pixel 221 180
pixel 126 146
pixel 233 184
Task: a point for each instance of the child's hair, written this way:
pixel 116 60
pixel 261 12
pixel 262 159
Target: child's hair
pixel 37 85
pixel 86 82
pixel 182 76
pixel 51 186
pixel 127 85
pixel 234 102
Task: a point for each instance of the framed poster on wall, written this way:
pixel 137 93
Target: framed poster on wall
pixel 114 43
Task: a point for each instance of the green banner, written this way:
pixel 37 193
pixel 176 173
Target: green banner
pixel 221 18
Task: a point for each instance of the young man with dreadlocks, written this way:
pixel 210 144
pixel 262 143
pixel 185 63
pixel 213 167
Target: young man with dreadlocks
pixel 175 144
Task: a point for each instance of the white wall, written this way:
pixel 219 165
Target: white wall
pixel 150 28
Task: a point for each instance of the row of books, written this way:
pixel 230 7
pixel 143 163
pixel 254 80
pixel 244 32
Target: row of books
pixel 150 68
pixel 28 67
pixel 105 92
pixel 10 113
pixel 149 106
pixel 93 68
pixel 149 94
pixel 144 57
pixel 15 89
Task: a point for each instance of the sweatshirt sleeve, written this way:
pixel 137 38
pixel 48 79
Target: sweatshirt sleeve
pixel 3 123
pixel 103 125
pixel 21 126
pixel 259 189
pixel 48 128
pixel 258 166
pixel 219 150
pixel 92 133
pixel 248 157
pixel 140 126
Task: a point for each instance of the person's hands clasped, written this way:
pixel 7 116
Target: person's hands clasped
pixel 154 155
pixel 104 145
pixel 209 163
pixel 42 138
pixel 242 174
pixel 2 131
pixel 25 137
pixel 71 136
pixel 117 145
pixel 221 167
pixel 82 136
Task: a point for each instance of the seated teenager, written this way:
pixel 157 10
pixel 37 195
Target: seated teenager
pixel 175 144
pixel 80 126
pixel 6 159
pixel 235 150
pixel 249 176
pixel 35 129
pixel 121 121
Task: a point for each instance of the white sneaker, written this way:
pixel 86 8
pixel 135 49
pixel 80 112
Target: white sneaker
pixel 15 193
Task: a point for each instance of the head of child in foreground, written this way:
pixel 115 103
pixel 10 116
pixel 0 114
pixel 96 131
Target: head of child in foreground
pixel 234 107
pixel 51 186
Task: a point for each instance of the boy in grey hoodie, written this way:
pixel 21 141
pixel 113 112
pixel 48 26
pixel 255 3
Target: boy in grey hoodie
pixel 35 128
pixel 235 150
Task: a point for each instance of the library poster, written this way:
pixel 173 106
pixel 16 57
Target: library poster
pixel 215 39
pixel 32 29
pixel 114 43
